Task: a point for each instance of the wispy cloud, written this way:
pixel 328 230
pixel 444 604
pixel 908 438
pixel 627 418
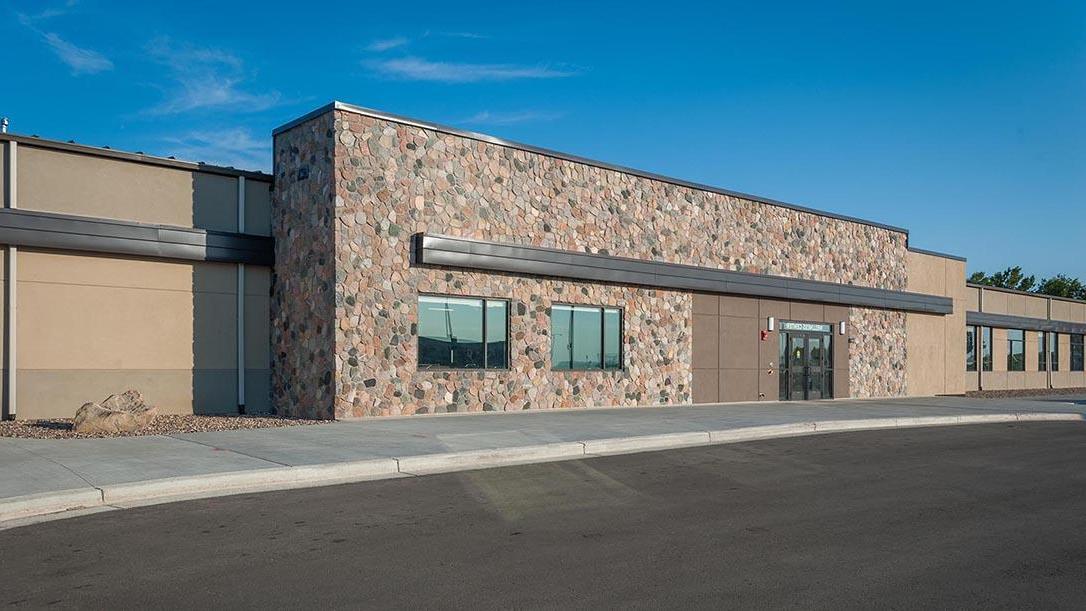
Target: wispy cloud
pixel 385 44
pixel 487 117
pixel 205 78
pixel 418 69
pixel 471 35
pixel 81 60
pixel 234 147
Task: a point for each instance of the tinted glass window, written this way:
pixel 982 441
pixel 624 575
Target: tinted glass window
pixel 586 337
pixel 497 318
pixel 970 348
pixel 454 333
pixel 1016 350
pixel 1076 352
pixel 986 348
pixel 1042 351
pixel 1054 350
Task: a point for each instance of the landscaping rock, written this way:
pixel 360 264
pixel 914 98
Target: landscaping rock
pixel 121 413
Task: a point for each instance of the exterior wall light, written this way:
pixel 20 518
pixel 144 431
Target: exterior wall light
pixel 842 327
pixel 770 324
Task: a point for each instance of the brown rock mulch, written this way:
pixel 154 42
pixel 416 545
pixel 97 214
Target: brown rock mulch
pixel 1029 392
pixel 62 428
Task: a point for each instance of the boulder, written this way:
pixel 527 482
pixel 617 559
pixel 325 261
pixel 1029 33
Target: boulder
pixel 121 413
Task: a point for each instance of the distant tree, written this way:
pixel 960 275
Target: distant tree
pixel 979 278
pixel 1012 278
pixel 1062 286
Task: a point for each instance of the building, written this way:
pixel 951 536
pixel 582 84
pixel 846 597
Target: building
pixel 419 268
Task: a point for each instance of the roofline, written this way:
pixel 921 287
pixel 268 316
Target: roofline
pixel 999 289
pixel 97 151
pixel 935 253
pixel 377 114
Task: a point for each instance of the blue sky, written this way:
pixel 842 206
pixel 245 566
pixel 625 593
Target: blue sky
pixel 962 121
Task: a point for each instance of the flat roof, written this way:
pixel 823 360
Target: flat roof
pixel 377 114
pixel 999 289
pixel 99 151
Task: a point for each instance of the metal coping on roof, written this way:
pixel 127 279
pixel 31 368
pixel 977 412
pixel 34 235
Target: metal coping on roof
pixel 999 289
pixel 936 253
pixel 1006 321
pixel 377 114
pixel 538 261
pixel 97 151
pixel 25 228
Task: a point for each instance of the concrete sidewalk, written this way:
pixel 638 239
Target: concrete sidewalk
pixel 40 477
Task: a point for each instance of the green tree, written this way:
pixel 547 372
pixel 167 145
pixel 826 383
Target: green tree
pixel 1012 278
pixel 1063 286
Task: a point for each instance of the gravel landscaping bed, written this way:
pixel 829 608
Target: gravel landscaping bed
pixel 61 428
pixel 1035 392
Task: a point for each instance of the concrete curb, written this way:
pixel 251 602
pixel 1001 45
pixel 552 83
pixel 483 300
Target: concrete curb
pixel 115 496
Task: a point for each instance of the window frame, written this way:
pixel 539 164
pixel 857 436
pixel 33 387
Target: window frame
pixel 987 357
pixel 971 334
pixel 1081 352
pixel 1010 350
pixel 1053 350
pixel 508 315
pixel 1042 351
pixel 603 337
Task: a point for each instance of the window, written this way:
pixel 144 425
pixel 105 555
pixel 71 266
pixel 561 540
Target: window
pixel 1016 350
pixel 585 337
pixel 970 348
pixel 1042 351
pixel 462 333
pixel 985 348
pixel 1054 350
pixel 1076 352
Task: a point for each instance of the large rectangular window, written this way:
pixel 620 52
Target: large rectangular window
pixel 1048 350
pixel 1076 352
pixel 970 348
pixel 985 348
pixel 1016 350
pixel 462 333
pixel 586 337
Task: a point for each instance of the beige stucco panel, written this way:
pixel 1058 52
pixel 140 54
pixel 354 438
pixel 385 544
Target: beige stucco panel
pixel 118 189
pixel 257 207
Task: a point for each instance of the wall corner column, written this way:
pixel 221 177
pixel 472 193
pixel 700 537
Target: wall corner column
pixel 11 283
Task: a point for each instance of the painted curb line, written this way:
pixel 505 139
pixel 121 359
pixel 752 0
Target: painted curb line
pixel 53 504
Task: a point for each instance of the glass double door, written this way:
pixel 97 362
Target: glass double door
pixel 806 365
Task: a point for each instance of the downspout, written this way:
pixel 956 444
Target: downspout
pixel 11 282
pixel 241 303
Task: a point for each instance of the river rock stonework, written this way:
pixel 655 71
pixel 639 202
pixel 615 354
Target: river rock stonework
pixel 877 355
pixel 387 180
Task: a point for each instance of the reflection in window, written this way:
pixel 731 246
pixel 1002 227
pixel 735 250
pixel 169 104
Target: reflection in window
pixel 1016 350
pixel 455 333
pixel 986 348
pixel 1076 352
pixel 970 348
pixel 1054 350
pixel 585 337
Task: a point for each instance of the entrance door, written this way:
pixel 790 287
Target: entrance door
pixel 806 362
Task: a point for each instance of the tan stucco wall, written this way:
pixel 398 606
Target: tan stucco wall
pixel 935 344
pixel 92 326
pixel 85 185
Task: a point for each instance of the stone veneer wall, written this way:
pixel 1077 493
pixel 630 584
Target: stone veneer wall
pixel 393 180
pixel 304 281
pixel 876 357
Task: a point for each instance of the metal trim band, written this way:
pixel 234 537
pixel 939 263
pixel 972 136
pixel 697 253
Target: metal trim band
pixel 1007 321
pixel 88 234
pixel 537 261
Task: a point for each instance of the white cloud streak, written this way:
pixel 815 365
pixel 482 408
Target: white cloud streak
pixel 386 44
pixel 79 59
pixel 418 69
pixel 487 117
pixel 234 147
pixel 205 79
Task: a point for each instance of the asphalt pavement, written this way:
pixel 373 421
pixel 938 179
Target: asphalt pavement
pixel 987 516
